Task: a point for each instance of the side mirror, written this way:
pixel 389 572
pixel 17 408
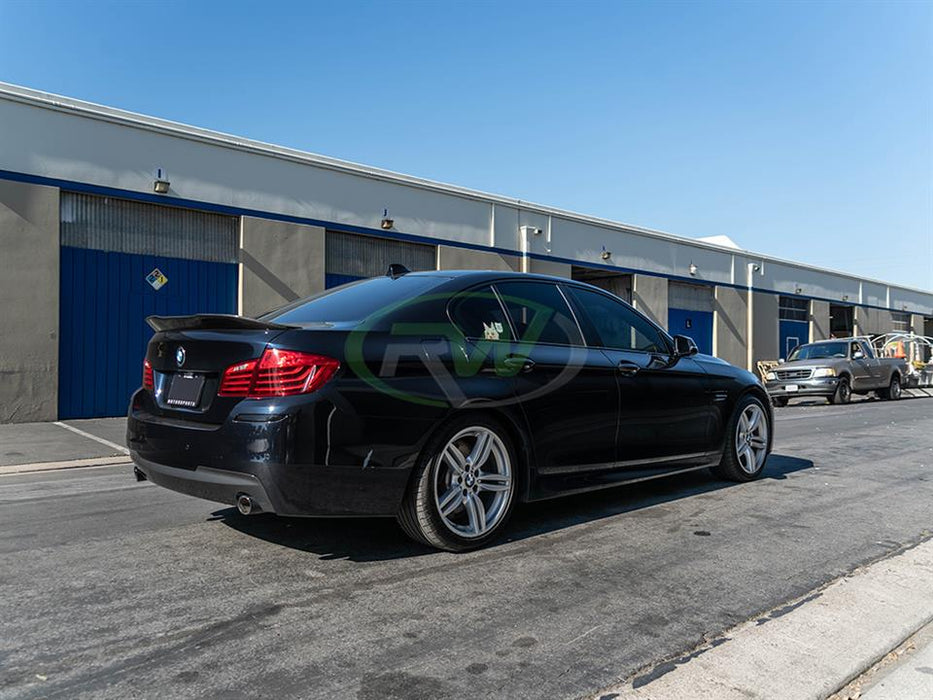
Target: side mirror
pixel 684 346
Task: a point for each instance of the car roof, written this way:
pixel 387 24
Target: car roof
pixel 470 276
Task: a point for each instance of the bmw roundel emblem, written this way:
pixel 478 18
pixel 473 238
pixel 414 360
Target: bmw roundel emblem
pixel 180 356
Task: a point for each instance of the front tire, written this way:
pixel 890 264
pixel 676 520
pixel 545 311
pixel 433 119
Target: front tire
pixel 748 442
pixel 843 392
pixel 463 489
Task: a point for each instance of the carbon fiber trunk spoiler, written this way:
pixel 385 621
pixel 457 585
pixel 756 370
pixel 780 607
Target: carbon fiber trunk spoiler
pixel 212 322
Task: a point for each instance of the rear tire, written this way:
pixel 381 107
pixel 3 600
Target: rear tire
pixel 843 392
pixel 893 392
pixel 748 442
pixel 463 489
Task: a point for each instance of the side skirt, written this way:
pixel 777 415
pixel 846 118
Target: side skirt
pixel 594 477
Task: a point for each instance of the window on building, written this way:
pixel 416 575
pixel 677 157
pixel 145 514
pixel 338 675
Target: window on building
pixel 349 257
pixel 793 309
pixel 900 321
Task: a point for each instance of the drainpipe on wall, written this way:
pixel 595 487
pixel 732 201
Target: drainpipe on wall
pixel 524 234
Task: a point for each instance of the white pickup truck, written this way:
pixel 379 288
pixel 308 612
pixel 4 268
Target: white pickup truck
pixel 835 369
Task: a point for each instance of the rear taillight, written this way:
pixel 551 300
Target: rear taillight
pixel 277 373
pixel 147 376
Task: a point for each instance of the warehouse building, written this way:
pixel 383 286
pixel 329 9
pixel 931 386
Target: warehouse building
pixel 108 216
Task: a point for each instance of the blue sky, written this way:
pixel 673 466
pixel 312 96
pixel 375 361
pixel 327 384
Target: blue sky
pixel 803 130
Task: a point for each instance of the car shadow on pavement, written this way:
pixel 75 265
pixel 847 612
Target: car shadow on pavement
pixel 380 539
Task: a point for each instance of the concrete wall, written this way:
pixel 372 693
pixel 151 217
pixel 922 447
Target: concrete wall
pixel 450 258
pixel 766 339
pixel 819 320
pixel 730 325
pixel 916 324
pixel 649 295
pixel 546 267
pixel 279 262
pixel 29 272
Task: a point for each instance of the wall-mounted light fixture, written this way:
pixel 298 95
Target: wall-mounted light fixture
pixel 606 254
pixel 693 270
pixel 845 297
pixel 386 222
pixel 161 184
pixel 798 290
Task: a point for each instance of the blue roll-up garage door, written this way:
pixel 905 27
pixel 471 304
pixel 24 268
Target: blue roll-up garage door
pixel 690 313
pixel 109 249
pixel 794 323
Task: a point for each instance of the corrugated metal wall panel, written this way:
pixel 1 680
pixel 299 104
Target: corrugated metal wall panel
pixel 357 256
pixel 692 297
pixel 105 300
pixel 123 226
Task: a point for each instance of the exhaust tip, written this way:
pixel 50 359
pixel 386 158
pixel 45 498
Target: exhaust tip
pixel 246 505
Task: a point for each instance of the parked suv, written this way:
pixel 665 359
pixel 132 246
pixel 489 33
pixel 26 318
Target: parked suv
pixel 835 369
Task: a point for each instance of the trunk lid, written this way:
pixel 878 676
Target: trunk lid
pixel 188 356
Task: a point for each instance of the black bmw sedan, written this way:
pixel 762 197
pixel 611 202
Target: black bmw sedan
pixel 439 398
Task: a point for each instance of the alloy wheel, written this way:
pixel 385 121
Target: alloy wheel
pixel 751 438
pixel 473 482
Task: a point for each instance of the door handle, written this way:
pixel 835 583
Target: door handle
pixel 628 369
pixel 525 364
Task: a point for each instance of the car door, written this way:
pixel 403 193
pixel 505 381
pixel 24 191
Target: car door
pixel 861 367
pixel 874 366
pixel 567 391
pixel 665 410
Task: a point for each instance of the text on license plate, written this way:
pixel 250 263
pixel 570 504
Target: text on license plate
pixel 790 387
pixel 185 390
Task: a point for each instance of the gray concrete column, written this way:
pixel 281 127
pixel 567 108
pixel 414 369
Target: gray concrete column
pixel 29 288
pixel 279 262
pixel 871 321
pixel 649 295
pixel 454 258
pixel 766 339
pixel 730 324
pixel 819 320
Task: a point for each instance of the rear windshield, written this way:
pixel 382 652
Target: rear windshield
pixel 816 352
pixel 356 301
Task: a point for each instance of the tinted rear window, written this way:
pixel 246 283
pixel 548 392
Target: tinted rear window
pixel 478 314
pixel 355 301
pixel 539 313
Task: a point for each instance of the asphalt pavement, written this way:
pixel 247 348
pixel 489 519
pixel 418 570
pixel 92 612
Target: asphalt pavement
pixel 112 588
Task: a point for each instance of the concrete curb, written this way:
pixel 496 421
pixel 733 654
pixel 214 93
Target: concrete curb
pixel 70 464
pixel 809 648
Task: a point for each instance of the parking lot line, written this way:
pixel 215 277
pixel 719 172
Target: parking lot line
pixel 68 464
pixel 82 433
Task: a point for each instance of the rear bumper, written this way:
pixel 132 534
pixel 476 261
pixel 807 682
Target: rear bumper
pixel 217 485
pixel 277 462
pixel 824 386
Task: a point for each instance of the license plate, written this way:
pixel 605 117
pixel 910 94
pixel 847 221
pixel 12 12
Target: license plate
pixel 185 390
pixel 790 388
